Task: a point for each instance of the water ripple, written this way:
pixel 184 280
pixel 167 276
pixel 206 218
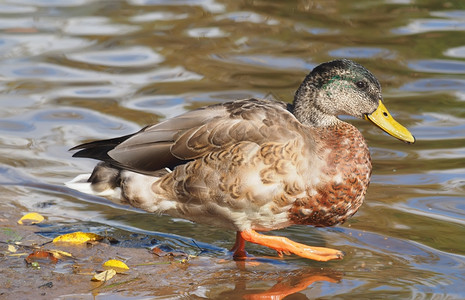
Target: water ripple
pixel 315 30
pixel 165 105
pixel 445 181
pixel 209 5
pixel 247 16
pixel 16 9
pixel 170 106
pixel 446 153
pixel 267 61
pixel 387 154
pixel 458 52
pixel 13 46
pixel 123 57
pixel 431 25
pixel 96 26
pixel 86 92
pixel 437 126
pixel 44 71
pixel 57 73
pixel 11 125
pixel 438 66
pixel 157 16
pixel 73 116
pixel 54 3
pixel 449 207
pixel 451 14
pixel 19 22
pixel 165 75
pixel 206 32
pixel 361 52
pixel 406 179
pixel 434 84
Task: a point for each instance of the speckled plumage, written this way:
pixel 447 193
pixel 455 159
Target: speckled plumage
pixel 251 164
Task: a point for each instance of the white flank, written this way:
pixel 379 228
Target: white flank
pixel 80 183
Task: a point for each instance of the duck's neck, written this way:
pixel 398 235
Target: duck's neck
pixel 307 112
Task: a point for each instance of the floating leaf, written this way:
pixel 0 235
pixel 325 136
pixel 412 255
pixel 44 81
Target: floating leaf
pixel 161 253
pixel 157 251
pixel 52 255
pixel 118 266
pixel 31 218
pixel 12 248
pixel 18 254
pixel 60 254
pixel 40 255
pixel 104 276
pixel 78 238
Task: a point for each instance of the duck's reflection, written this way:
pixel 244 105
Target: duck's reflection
pixel 289 283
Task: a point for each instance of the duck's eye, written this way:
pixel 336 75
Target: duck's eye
pixel 361 84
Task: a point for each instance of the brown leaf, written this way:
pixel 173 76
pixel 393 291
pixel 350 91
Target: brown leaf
pixel 157 251
pixel 41 255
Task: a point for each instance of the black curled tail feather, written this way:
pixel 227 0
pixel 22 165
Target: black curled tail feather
pixel 99 149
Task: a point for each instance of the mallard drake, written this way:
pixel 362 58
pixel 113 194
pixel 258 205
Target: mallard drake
pixel 253 164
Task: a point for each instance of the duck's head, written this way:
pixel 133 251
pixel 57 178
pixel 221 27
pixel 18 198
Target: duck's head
pixel 343 87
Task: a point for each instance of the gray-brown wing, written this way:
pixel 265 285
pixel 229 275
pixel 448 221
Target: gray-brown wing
pixel 149 150
pixel 201 131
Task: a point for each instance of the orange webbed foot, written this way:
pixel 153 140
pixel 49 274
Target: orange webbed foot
pixel 283 245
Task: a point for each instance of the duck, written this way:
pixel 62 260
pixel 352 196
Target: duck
pixel 253 165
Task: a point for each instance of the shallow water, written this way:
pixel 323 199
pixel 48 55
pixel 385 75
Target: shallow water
pixel 79 70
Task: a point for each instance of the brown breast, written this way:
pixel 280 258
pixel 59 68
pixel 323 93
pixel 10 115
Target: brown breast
pixel 344 179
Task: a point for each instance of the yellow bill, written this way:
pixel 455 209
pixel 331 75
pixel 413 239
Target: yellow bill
pixel 383 119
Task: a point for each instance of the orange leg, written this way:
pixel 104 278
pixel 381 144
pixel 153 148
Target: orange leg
pixel 282 245
pixel 239 247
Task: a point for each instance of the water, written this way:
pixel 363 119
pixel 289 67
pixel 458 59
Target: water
pixel 79 70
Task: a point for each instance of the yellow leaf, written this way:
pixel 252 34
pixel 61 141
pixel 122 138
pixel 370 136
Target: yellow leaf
pixel 60 254
pixel 104 276
pixel 77 237
pixel 31 218
pixel 118 266
pixel 18 254
pixel 12 248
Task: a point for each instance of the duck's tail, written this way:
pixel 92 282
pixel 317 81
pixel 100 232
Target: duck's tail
pixel 123 187
pixel 83 184
pixel 105 181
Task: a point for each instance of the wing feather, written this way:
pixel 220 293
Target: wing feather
pixel 196 133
